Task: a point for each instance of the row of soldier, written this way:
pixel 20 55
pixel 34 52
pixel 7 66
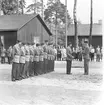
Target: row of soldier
pixel 31 59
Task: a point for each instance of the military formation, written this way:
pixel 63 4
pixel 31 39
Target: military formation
pixel 30 59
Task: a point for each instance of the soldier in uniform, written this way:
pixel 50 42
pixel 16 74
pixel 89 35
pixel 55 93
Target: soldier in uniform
pixel 45 49
pixel 36 57
pixel 22 61
pixel 31 71
pixel 27 59
pixel 69 58
pixel 53 57
pixel 16 61
pixel 41 59
pixel 49 57
pixel 86 56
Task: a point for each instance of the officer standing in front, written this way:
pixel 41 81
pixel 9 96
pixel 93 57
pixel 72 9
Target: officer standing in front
pixel 69 58
pixel 86 52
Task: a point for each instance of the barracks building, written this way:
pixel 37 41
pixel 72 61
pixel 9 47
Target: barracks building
pixel 83 32
pixel 26 28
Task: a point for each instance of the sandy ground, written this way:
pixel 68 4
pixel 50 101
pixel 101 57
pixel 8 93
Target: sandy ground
pixel 55 88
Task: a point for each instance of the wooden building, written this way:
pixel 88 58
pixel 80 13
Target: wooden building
pixel 26 28
pixel 83 32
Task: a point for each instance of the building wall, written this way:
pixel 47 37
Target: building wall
pixel 10 38
pixel 33 29
pixel 96 40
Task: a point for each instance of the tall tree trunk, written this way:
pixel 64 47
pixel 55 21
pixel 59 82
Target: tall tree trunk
pixel 17 6
pixel 66 22
pixel 75 24
pixel 56 30
pixel 22 7
pixel 91 23
pixel 35 8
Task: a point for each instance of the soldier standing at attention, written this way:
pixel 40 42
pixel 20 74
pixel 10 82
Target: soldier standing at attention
pixel 22 61
pixel 27 59
pixel 37 63
pixel 45 49
pixel 53 57
pixel 69 58
pixel 86 56
pixel 31 73
pixel 16 62
pixel 34 59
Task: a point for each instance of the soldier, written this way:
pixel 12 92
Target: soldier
pixel 49 57
pixel 41 59
pixel 45 49
pixel 36 58
pixel 86 52
pixel 31 73
pixel 52 57
pixel 22 61
pixel 16 59
pixel 27 58
pixel 69 58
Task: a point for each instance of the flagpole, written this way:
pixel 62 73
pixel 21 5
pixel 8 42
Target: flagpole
pixel 66 23
pixel 91 23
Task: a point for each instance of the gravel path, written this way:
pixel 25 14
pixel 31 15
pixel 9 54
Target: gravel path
pixel 55 88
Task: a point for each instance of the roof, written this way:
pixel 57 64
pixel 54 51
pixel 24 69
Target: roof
pixel 15 22
pixel 84 30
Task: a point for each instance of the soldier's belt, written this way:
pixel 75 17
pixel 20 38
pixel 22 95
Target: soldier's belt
pixel 45 56
pixel 49 57
pixel 31 58
pixel 41 58
pixel 36 58
pixel 16 59
pixel 22 59
pixel 27 57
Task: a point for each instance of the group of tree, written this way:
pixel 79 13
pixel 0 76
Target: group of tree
pixel 54 13
pixel 9 7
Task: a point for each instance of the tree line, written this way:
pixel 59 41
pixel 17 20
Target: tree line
pixel 54 13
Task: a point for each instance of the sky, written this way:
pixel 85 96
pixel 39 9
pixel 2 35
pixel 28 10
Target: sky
pixel 83 9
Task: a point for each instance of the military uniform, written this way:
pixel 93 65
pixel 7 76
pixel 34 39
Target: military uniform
pixel 69 59
pixel 27 59
pixel 86 53
pixel 36 59
pixel 16 61
pixel 31 66
pixel 45 49
pixel 22 62
pixel 41 60
pixel 53 58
